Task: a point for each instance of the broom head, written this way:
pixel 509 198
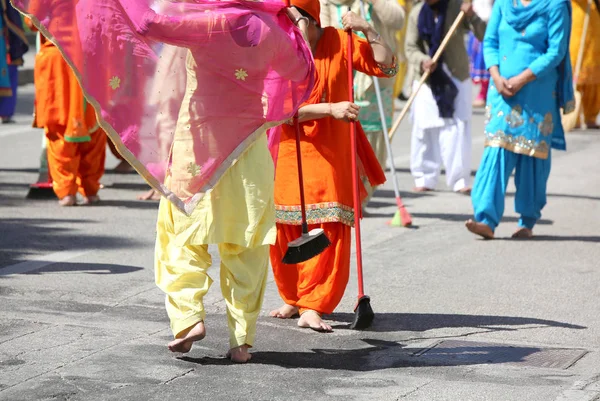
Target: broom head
pixel 570 121
pixel 41 190
pixel 401 217
pixel 363 314
pixel 306 247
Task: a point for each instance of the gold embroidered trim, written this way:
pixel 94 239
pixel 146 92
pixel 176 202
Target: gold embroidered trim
pixel 316 213
pixel 519 144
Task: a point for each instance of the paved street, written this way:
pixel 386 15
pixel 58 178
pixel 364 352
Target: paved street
pixel 457 318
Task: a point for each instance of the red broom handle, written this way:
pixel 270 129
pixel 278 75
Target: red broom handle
pixel 357 205
pixel 300 174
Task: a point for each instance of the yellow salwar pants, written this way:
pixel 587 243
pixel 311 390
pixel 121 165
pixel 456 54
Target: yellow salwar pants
pixel 239 216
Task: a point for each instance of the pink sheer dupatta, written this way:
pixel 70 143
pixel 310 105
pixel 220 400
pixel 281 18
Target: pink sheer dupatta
pixel 182 88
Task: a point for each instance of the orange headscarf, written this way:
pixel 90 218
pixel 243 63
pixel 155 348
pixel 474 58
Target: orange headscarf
pixel 312 7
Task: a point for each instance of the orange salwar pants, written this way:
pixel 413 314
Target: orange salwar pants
pixel 75 166
pixel 319 283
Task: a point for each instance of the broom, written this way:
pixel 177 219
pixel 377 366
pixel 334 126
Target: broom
pixel 436 57
pixel 570 120
pixel 42 188
pixel 312 243
pixel 401 217
pixel 363 313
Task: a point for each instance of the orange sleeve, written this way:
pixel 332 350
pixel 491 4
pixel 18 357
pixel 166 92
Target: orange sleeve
pixel 362 57
pixel 29 24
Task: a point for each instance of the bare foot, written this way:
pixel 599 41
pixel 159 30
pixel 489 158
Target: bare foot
pixel 480 229
pixel 523 232
pixel 68 200
pixel 312 320
pixel 150 195
pixel 465 191
pixel 422 189
pixel 285 312
pixel 187 339
pixel 478 103
pixel 239 354
pixel 123 167
pixel 91 200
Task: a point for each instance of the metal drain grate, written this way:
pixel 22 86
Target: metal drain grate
pixel 458 352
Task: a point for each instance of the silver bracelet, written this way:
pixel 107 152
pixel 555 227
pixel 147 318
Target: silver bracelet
pixel 376 40
pixel 300 19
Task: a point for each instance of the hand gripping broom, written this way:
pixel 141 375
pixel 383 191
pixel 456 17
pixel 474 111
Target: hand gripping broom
pixel 312 243
pixel 363 313
pixel 401 217
pixel 435 58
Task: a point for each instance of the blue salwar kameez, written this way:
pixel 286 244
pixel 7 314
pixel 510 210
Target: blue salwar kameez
pixel 521 130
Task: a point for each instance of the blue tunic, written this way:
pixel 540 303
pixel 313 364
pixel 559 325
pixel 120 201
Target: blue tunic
pixel 528 123
pixel 5 87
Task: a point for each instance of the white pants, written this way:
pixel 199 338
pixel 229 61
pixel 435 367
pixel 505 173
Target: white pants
pixel 437 140
pixel 451 145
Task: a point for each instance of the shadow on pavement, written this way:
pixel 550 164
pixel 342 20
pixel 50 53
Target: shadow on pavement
pixel 385 322
pixel 24 237
pixel 129 204
pixel 90 268
pixel 380 355
pixel 464 217
pixel 558 238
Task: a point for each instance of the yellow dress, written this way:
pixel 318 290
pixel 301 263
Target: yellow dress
pixel 588 82
pixel 238 214
pixel 402 65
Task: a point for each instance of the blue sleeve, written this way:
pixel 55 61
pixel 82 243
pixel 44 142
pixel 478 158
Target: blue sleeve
pixel 558 40
pixel 491 39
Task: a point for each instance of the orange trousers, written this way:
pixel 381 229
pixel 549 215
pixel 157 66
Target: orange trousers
pixel 75 166
pixel 319 283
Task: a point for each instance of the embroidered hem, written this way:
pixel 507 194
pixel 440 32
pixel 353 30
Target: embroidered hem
pixel 520 145
pixel 319 213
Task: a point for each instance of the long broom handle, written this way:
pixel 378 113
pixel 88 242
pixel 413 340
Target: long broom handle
pixel 436 57
pixel 586 23
pixel 300 174
pixel 383 122
pixel 356 191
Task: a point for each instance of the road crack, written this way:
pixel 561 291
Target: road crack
pixel 178 376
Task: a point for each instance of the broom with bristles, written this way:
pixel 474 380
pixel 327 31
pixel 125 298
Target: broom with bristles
pixel 401 217
pixel 42 188
pixel 313 242
pixel 571 120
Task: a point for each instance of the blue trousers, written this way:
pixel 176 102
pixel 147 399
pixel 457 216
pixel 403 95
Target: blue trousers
pixel 9 104
pixel 489 189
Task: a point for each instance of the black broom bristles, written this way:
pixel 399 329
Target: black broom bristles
pixel 363 314
pixel 306 247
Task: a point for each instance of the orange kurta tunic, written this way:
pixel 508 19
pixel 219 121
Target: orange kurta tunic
pixel 76 144
pixel 319 283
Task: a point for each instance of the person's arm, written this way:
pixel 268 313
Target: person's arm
pixel 491 51
pixel 390 13
pixel 412 50
pixel 558 41
pixel 346 111
pixel 472 21
pixel 381 52
pixel 325 15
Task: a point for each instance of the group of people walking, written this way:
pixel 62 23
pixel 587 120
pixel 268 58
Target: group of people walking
pixel 218 140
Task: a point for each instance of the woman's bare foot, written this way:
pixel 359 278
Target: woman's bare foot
pixel 149 195
pixel 123 167
pixel 91 200
pixel 523 232
pixel 68 200
pixel 480 229
pixel 187 339
pixel 422 189
pixel 312 320
pixel 478 103
pixel 285 312
pixel 239 354
pixel 465 191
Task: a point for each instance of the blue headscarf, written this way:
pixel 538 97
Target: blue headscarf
pixel 518 17
pixel 17 41
pixel 443 88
